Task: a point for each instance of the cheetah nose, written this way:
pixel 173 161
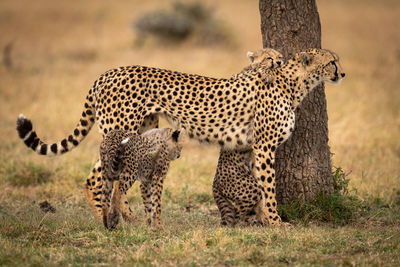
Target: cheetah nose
pixel 279 63
pixel 343 74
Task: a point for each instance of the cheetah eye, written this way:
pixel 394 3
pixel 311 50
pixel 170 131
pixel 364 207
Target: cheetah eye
pixel 269 58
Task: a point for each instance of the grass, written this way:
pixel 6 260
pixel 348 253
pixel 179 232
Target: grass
pixel 334 208
pixel 25 173
pixel 60 48
pixel 187 238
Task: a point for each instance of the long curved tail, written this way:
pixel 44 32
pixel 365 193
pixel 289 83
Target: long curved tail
pixel 30 138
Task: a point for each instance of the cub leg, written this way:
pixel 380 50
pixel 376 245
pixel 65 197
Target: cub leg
pixel 146 197
pixel 106 199
pixel 150 122
pixel 126 210
pixel 115 207
pixel 156 188
pixel 225 207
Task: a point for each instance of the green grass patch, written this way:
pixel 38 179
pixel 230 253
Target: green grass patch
pixel 29 236
pixel 25 173
pixel 334 208
pixel 339 207
pixel 342 207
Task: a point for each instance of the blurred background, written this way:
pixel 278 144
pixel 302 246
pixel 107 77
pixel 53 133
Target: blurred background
pixel 52 51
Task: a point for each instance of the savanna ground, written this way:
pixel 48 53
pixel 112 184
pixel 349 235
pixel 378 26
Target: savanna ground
pixel 59 49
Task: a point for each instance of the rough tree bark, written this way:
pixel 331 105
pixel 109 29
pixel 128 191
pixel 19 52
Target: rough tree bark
pixel 303 166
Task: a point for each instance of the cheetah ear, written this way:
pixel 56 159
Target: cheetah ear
pixel 121 149
pixel 305 58
pixel 250 56
pixel 125 141
pixel 175 135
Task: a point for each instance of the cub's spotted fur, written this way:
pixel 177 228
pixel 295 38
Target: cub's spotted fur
pixel 127 157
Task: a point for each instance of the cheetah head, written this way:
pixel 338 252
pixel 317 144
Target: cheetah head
pixel 174 144
pixel 266 57
pixel 169 136
pixel 321 64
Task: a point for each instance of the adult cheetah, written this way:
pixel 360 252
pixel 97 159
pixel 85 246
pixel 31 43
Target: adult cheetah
pixel 123 98
pixel 237 191
pixel 218 111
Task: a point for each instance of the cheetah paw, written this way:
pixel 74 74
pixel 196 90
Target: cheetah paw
pixel 112 221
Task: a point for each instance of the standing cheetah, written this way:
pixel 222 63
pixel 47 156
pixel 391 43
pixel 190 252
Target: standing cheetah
pixel 127 157
pixel 237 191
pixel 216 111
pixel 234 183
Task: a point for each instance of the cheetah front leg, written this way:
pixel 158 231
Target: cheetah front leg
pixel 149 122
pixel 265 172
pixel 126 210
pixel 156 188
pixel 115 206
pixel 226 209
pixel 93 188
pixel 145 190
pixel 106 200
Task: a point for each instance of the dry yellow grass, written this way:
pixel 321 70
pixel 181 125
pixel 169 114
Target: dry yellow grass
pixel 61 47
pixel 364 112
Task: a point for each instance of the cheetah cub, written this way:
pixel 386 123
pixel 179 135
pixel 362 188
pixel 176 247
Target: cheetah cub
pixel 266 58
pixel 127 157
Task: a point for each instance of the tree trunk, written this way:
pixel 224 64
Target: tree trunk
pixel 303 166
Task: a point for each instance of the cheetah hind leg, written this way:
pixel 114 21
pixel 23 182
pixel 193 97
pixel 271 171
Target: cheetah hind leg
pixel 251 219
pixel 93 188
pixel 244 213
pixel 126 211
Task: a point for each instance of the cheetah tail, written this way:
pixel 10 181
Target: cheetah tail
pixel 30 138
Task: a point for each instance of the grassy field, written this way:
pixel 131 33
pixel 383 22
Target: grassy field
pixel 58 48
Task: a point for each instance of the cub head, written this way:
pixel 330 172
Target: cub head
pixel 174 144
pixel 266 57
pixel 321 64
pixel 172 138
